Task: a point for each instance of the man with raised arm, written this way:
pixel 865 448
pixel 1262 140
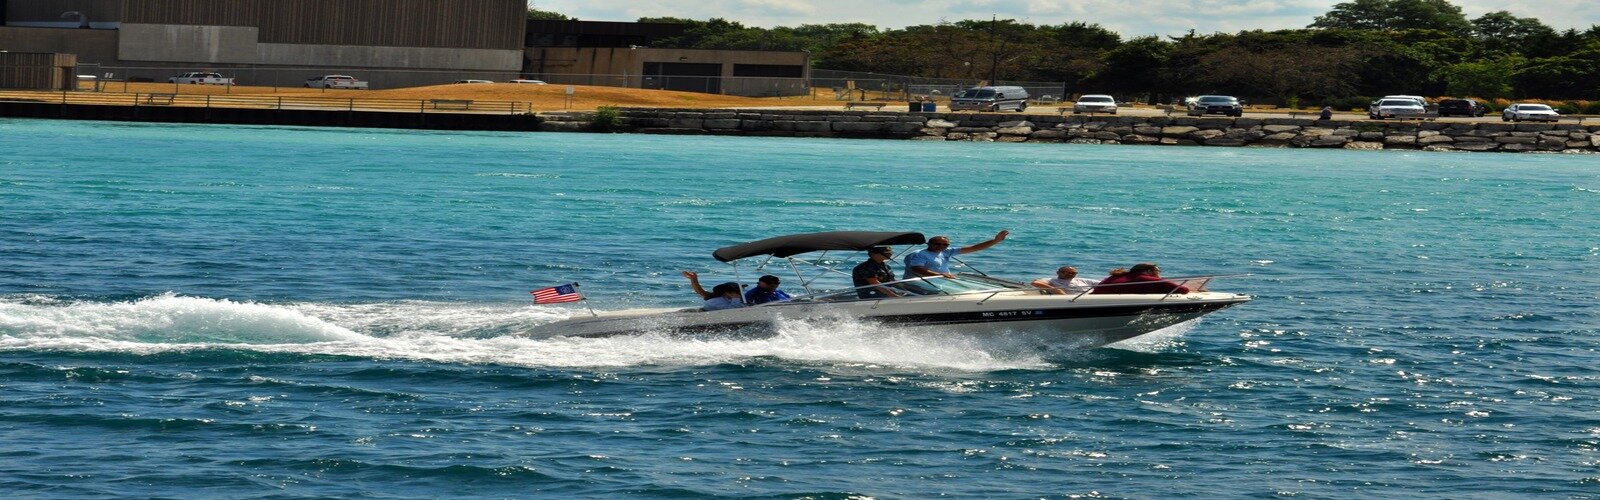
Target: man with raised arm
pixel 935 260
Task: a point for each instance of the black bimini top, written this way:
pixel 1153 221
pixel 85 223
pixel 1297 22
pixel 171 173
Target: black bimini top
pixel 796 244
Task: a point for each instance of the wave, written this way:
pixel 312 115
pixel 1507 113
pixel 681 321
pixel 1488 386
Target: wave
pixel 465 333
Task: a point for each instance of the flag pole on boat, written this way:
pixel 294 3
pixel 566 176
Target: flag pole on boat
pixel 584 300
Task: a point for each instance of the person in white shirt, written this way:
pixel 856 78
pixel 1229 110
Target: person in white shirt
pixel 1065 282
pixel 724 296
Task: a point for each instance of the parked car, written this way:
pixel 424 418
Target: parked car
pixel 1095 103
pixel 336 82
pixel 1417 98
pixel 1396 108
pixel 1216 105
pixel 1462 107
pixel 990 99
pixel 201 78
pixel 474 81
pixel 1530 112
pixel 529 82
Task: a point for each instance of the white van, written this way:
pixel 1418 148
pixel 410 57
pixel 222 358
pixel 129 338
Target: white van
pixel 990 99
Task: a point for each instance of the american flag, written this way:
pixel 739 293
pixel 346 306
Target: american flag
pixel 557 294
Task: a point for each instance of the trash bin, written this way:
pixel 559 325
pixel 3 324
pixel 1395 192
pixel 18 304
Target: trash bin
pixel 914 106
pixel 930 107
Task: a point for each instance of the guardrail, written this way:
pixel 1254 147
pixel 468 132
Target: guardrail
pixel 287 102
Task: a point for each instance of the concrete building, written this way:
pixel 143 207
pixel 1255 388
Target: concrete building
pixel 620 54
pixel 38 71
pixel 390 43
pixel 277 42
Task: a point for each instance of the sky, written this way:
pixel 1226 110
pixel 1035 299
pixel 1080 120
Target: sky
pixel 1126 17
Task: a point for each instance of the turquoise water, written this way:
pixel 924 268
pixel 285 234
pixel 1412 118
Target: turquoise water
pixel 261 311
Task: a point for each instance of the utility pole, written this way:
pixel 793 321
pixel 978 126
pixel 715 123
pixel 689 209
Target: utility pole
pixel 994 62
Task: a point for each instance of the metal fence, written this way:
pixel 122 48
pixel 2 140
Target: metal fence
pixel 290 77
pixel 288 102
pixel 823 84
pixel 753 86
pixel 867 85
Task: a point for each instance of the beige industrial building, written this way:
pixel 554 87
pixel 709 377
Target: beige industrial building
pixel 276 42
pixel 390 43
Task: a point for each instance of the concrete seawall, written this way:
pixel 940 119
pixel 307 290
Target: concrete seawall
pixel 1177 131
pixel 245 116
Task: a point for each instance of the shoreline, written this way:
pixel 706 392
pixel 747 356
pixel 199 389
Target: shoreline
pixel 1410 135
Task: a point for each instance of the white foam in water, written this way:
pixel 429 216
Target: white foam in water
pixel 1159 340
pixel 482 334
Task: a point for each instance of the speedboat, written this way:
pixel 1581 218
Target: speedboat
pixel 968 303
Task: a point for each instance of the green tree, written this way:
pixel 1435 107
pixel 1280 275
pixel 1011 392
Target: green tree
pixel 1134 67
pixel 1560 77
pixel 1500 32
pixel 698 34
pixel 1284 73
pixel 1393 15
pixel 545 15
pixel 1489 79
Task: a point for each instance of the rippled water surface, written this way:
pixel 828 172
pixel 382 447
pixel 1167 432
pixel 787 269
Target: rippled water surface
pixel 255 311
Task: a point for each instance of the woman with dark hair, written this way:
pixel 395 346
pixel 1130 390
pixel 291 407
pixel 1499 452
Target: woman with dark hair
pixel 1143 277
pixel 723 296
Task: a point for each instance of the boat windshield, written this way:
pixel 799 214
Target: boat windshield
pixel 937 285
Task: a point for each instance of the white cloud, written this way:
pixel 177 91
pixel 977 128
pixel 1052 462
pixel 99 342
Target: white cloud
pixel 1128 17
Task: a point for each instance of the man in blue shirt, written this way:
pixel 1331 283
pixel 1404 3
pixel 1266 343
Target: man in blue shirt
pixel 935 261
pixel 766 290
pixel 724 296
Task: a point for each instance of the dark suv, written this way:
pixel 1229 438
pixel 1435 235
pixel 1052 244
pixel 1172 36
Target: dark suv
pixel 1216 105
pixel 1461 107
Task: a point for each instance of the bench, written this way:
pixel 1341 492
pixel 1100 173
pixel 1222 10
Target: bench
pixel 874 105
pixel 451 103
pixel 164 98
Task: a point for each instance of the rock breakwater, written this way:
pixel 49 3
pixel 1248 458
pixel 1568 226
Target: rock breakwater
pixel 1162 130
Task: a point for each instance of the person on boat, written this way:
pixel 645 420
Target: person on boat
pixel 935 260
pixel 766 290
pixel 1143 277
pixel 874 271
pixel 1065 282
pixel 723 296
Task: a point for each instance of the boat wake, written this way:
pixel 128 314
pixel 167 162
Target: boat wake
pixel 487 334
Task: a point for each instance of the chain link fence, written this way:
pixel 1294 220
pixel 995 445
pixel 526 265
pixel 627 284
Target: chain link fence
pixel 284 77
pixel 823 84
pixel 860 85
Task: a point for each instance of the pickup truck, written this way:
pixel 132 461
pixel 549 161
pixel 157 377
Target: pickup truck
pixel 336 82
pixel 201 78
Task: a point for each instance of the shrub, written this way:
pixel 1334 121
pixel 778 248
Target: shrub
pixel 1593 108
pixel 606 119
pixel 1356 103
pixel 1567 108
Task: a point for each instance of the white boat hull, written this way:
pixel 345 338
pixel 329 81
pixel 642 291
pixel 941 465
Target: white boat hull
pixel 1085 321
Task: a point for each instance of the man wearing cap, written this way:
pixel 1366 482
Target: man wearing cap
pixel 724 296
pixel 874 271
pixel 935 261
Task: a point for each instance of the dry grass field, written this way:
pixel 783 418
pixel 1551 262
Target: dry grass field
pixel 539 97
